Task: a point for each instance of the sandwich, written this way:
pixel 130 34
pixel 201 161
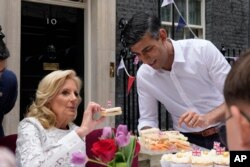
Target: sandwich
pixel 149 131
pixel 112 111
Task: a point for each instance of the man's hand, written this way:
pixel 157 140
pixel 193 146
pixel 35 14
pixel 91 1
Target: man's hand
pixel 193 120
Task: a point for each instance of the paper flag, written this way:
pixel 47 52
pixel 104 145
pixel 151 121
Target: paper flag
pixel 216 145
pixel 166 2
pixel 109 103
pixel 220 150
pixel 196 152
pixel 130 83
pixel 181 23
pixel 136 60
pixel 121 66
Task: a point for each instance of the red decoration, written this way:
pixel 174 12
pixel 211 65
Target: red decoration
pixel 130 82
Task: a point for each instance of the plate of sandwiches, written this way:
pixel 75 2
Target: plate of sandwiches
pixel 154 141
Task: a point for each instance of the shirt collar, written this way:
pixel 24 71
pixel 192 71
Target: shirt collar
pixel 178 51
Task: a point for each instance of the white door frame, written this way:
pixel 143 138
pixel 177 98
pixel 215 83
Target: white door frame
pixel 99 49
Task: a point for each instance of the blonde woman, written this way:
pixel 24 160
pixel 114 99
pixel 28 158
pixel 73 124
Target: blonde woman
pixel 48 136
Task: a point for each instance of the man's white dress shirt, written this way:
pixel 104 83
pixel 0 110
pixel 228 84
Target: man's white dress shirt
pixel 195 82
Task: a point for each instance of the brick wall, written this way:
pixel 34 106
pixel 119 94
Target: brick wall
pixel 227 22
pixel 126 8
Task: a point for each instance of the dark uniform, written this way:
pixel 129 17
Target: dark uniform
pixel 8 84
pixel 8 94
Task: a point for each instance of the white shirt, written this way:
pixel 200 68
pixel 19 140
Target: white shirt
pixel 39 147
pixel 200 69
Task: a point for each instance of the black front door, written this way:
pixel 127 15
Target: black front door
pixel 51 38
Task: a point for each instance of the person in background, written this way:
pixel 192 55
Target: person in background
pixel 8 83
pixel 186 76
pixel 48 136
pixel 237 97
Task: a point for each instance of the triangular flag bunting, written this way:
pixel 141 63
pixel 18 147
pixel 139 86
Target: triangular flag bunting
pixel 130 83
pixel 181 23
pixel 121 66
pixel 166 2
pixel 136 60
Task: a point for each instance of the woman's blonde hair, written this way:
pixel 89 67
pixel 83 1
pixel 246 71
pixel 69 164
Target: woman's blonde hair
pixel 47 89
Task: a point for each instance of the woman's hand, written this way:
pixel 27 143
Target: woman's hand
pixel 193 120
pixel 88 121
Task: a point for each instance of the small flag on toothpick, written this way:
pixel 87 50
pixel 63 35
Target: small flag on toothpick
pixel 220 150
pixel 196 152
pixel 216 145
pixel 109 104
pixel 166 2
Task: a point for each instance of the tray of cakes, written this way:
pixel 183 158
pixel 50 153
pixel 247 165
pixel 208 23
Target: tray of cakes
pixel 154 141
pixel 197 157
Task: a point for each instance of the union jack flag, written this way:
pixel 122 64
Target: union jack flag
pixel 196 152
pixel 220 150
pixel 216 145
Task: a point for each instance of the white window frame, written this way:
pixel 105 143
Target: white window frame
pixel 200 28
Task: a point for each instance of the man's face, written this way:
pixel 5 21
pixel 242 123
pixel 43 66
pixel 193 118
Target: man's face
pixel 151 51
pixel 238 128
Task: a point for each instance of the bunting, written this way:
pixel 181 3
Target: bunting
pixel 136 60
pixel 121 66
pixel 166 2
pixel 181 23
pixel 131 80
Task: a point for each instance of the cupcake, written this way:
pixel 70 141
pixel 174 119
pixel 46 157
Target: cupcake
pixel 181 159
pixel 222 160
pixel 212 153
pixel 166 159
pixel 203 160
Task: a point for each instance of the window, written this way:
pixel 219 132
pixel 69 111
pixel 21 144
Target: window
pixel 193 12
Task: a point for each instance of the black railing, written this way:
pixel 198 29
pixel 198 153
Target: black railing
pixel 130 103
pixel 231 55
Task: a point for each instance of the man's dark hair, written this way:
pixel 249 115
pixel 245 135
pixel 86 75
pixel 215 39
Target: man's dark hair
pixel 140 24
pixel 4 52
pixel 236 88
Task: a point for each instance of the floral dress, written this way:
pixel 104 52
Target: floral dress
pixel 39 147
